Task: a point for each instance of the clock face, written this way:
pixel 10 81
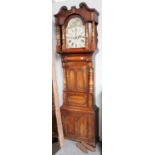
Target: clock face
pixel 75 33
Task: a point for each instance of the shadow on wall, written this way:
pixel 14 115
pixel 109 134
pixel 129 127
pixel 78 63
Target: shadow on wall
pixel 99 105
pixel 55 147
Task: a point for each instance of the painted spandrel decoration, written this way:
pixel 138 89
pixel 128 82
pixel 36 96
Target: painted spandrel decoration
pixel 76 36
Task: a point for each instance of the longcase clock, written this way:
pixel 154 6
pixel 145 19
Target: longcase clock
pixel 76 42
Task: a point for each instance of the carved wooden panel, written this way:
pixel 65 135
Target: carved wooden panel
pixel 77 77
pixel 82 77
pixel 79 125
pixel 77 99
pixel 70 125
pixel 71 79
pixel 83 126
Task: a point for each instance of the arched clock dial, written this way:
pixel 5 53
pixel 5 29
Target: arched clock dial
pixel 75 33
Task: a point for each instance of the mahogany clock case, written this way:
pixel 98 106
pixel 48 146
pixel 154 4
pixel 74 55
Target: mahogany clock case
pixel 79 112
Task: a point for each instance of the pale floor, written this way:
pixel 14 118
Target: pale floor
pixel 70 148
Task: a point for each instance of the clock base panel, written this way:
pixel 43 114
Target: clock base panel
pixel 80 126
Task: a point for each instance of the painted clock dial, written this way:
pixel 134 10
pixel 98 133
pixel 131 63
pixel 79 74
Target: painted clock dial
pixel 75 33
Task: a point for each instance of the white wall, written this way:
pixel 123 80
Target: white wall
pixel 98 63
pixel 129 77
